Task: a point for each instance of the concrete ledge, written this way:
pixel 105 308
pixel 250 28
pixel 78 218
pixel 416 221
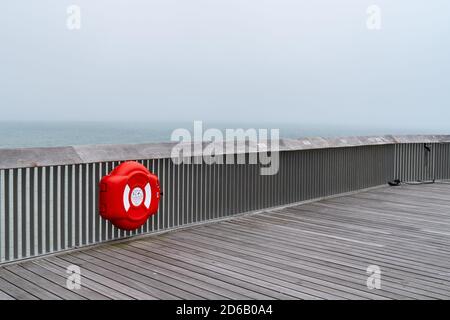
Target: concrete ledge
pixel 40 157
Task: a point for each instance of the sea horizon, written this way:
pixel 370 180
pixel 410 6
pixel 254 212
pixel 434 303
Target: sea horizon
pixel 27 134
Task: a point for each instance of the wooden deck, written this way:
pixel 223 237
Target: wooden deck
pixel 319 250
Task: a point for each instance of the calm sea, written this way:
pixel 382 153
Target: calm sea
pixel 49 134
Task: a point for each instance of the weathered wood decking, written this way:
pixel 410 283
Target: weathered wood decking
pixel 319 250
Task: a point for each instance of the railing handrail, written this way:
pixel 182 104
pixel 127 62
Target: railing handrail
pixel 15 158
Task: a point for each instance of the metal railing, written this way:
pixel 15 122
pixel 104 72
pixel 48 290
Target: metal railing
pixel 49 208
pixel 422 161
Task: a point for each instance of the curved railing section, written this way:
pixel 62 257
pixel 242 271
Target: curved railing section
pixel 49 196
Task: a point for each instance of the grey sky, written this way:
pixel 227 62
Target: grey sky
pixel 225 60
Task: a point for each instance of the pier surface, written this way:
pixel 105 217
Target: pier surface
pixel 317 250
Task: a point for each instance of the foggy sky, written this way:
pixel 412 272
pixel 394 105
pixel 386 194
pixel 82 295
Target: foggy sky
pixel 226 60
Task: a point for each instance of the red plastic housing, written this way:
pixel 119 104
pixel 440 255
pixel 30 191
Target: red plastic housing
pixel 129 195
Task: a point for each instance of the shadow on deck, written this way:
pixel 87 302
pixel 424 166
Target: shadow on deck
pixel 319 250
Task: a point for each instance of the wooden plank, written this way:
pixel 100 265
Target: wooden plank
pixel 60 291
pixel 205 274
pixel 194 289
pixel 318 250
pixel 278 269
pixel 61 280
pixel 274 275
pixel 150 278
pixel 4 296
pixel 14 291
pixel 108 278
pixel 435 265
pixel 27 286
pixel 302 241
pixel 276 249
pixel 262 257
pixel 239 273
pixel 58 267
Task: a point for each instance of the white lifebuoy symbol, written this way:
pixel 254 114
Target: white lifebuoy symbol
pixel 137 196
